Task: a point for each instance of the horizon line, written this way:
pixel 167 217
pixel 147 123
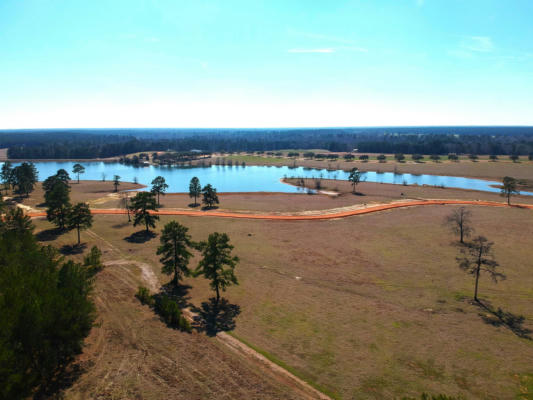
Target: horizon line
pixel 272 127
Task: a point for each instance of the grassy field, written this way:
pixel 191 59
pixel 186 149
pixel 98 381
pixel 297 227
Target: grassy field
pixel 481 169
pixel 92 192
pixel 367 307
pixel 130 353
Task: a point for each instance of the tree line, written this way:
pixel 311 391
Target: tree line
pixel 435 140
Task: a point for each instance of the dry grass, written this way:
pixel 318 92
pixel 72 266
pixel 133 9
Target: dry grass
pixel 132 354
pixel 101 195
pixel 480 169
pixel 368 307
pixel 87 191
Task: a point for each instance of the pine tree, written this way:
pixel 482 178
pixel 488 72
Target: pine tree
pixel 174 250
pixel 80 218
pixel 217 263
pixel 142 204
pixel 159 186
pixel 210 197
pixel 195 190
pixel 78 169
pixel 58 203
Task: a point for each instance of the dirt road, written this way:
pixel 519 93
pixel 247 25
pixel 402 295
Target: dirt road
pixel 324 214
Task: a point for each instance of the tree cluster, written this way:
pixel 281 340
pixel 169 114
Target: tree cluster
pixel 59 209
pixel 46 309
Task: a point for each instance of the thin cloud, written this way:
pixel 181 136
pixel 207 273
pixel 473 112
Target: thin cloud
pixel 478 44
pixel 325 50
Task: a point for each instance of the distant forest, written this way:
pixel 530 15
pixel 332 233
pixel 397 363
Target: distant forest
pixel 102 143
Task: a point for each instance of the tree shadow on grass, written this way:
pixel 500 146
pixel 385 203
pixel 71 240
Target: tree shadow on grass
pixel 500 317
pixel 179 294
pixel 358 194
pixel 62 381
pixel 206 208
pixel 193 205
pixel 49 235
pixel 69 250
pixel 212 319
pixel 140 237
pixel 121 225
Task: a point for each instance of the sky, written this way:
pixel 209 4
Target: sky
pixel 270 63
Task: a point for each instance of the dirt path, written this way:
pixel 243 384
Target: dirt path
pixel 323 214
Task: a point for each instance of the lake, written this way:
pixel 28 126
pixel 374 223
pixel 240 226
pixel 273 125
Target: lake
pixel 249 178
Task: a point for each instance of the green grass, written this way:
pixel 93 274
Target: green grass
pixel 284 365
pixel 250 159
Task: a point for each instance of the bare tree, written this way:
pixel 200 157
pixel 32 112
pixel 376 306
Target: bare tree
pixel 460 222
pixel 478 257
pixel 125 200
pixel 509 187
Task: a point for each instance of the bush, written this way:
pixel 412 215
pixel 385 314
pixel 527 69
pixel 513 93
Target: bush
pixel 93 262
pixel 382 158
pixel 349 157
pixel 399 157
pixel 417 157
pixel 493 157
pixel 453 157
pixel 364 157
pixel 144 296
pixel 170 312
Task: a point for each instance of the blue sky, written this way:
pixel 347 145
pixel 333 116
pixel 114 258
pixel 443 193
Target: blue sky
pixel 229 63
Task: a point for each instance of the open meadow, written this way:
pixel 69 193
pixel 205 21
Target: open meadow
pixel 366 307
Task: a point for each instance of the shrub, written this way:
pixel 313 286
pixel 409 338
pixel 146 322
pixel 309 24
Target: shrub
pixel 453 157
pixel 170 312
pixel 399 157
pixel 382 158
pixel 493 157
pixel 144 296
pixel 93 262
pixel 417 157
pixel 363 157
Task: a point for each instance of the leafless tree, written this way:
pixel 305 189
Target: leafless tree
pixel 477 257
pixel 459 221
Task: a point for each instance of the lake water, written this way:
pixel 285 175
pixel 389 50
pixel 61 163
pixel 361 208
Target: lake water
pixel 249 178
